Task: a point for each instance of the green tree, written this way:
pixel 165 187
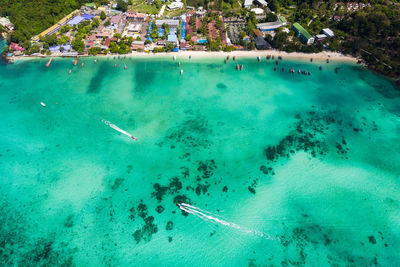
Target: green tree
pixel 95 22
pixel 188 37
pixel 78 45
pixel 103 15
pixel 122 5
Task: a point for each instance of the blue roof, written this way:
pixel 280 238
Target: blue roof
pixel 203 41
pixel 75 20
pixel 56 48
pixel 172 37
pixel 88 16
pixel 176 49
pixel 160 32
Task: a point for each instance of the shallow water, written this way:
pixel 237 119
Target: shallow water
pixel 311 161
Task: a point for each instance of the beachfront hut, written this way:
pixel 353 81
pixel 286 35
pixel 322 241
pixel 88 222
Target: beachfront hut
pixel 261 43
pixel 328 32
pixel 302 33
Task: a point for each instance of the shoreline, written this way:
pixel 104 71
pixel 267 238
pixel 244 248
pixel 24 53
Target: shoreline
pixel 206 54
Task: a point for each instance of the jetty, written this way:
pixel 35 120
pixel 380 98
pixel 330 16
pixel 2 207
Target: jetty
pixel 49 63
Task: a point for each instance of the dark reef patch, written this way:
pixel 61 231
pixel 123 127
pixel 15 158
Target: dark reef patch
pixel 225 189
pixel 372 239
pixel 201 188
pixel 69 222
pixel 143 79
pixel 221 86
pixel 117 183
pixel 146 232
pixel 160 209
pixel 97 80
pixel 252 187
pixel 206 168
pixel 191 134
pixel 169 226
pixel 175 185
pixel 314 134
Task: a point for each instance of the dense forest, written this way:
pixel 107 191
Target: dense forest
pixel 30 17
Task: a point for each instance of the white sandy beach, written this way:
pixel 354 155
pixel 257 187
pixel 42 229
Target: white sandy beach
pixel 205 54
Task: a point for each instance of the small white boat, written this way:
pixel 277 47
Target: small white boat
pixel 174 57
pixel 181 72
pixel 43 104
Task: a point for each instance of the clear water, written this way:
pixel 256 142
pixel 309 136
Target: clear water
pixel 312 161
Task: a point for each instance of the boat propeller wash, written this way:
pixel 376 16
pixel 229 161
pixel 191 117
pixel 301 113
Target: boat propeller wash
pixel 208 216
pixel 115 127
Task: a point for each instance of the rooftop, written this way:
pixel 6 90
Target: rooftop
pixel 301 30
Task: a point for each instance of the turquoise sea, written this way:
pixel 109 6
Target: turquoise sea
pixel 310 161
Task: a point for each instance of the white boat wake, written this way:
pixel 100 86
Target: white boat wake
pixel 207 216
pixel 115 127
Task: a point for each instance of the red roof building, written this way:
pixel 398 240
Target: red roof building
pixel 107 42
pixel 16 47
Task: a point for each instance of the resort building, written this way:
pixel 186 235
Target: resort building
pixel 269 26
pixel 137 45
pixel 175 5
pixel 257 11
pixel 261 43
pixel 328 32
pixel 302 33
pixel 137 17
pixel 247 3
pixel 75 20
pixel 172 23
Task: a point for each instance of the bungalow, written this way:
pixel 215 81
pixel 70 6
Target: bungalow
pixel 261 43
pixel 328 32
pixel 302 33
pixel 92 37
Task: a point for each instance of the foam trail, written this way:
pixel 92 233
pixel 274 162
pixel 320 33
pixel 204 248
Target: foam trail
pixel 205 215
pixel 115 127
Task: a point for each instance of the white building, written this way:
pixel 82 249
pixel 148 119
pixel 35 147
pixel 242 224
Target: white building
pixel 247 3
pixel 263 3
pixel 257 11
pixel 175 5
pixel 328 32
